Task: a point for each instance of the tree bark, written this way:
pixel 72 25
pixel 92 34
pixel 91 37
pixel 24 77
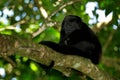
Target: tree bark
pixel 12 45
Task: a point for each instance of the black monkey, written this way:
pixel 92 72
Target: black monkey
pixel 76 38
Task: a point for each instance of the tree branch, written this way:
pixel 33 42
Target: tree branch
pixel 12 45
pixel 48 20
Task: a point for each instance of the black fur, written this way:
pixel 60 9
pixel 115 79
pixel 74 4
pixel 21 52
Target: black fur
pixel 77 39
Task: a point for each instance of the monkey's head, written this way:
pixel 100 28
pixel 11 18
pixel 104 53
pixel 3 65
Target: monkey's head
pixel 71 23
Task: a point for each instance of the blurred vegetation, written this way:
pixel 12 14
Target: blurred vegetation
pixel 31 17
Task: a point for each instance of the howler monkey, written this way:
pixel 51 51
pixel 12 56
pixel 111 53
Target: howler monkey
pixel 76 38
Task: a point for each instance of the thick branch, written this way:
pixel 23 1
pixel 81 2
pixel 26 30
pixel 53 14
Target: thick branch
pixel 12 45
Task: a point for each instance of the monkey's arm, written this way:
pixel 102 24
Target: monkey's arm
pixel 69 50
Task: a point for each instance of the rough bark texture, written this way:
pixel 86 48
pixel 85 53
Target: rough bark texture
pixel 12 45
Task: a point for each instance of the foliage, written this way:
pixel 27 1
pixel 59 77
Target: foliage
pixel 42 18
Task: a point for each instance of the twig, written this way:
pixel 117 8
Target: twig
pixel 63 6
pixel 110 37
pixel 48 20
pixel 8 59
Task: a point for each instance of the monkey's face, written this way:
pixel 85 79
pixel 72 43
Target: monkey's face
pixel 71 24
